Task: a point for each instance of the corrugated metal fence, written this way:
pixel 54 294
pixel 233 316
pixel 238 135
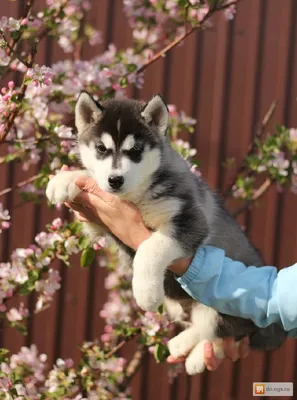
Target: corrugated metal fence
pixel 226 77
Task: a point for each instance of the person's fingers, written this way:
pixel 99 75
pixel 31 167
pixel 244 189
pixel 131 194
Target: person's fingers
pixel 244 348
pixel 82 213
pixel 94 203
pixel 210 359
pixel 172 360
pixel 75 206
pixel 88 200
pixel 231 349
pixel 82 217
pixel 89 185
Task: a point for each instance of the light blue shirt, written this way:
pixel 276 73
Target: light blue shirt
pixel 261 294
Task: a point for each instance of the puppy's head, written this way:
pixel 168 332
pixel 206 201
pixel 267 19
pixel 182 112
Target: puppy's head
pixel 120 141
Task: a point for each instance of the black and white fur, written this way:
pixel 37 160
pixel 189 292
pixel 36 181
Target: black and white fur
pixel 124 147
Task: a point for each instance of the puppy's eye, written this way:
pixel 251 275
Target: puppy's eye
pixel 101 148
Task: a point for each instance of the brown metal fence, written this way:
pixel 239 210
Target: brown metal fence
pixel 226 77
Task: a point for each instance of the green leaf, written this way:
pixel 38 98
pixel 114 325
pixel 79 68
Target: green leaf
pixel 33 274
pixel 87 257
pixel 131 67
pixel 161 352
pixel 24 291
pixel 84 242
pixel 124 82
pixel 3 351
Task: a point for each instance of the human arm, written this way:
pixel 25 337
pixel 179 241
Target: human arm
pixel 261 294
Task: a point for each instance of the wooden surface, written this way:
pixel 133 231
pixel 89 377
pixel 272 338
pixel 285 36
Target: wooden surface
pixel 226 77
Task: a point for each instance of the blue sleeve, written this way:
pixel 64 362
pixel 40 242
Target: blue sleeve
pixel 261 294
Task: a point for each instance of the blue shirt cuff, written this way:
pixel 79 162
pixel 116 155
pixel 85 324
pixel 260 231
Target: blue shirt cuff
pixel 193 269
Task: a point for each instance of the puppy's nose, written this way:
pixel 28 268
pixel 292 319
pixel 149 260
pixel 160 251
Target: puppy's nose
pixel 115 181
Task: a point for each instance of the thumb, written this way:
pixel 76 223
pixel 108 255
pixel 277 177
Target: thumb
pixel 89 185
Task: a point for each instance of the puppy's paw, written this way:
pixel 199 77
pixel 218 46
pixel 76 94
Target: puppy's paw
pixel 195 361
pixel 62 187
pixel 149 295
pixel 177 347
pixel 183 343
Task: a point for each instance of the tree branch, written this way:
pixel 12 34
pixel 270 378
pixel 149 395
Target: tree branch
pixel 12 50
pixel 21 94
pixel 20 184
pixel 134 365
pixel 29 64
pixel 253 145
pixel 182 37
pixel 27 11
pixel 77 53
pixel 256 196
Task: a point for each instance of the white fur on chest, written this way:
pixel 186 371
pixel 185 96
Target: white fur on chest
pixel 156 213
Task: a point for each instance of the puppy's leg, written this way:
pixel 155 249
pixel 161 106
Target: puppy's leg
pixel 62 187
pixel 150 262
pixel 205 321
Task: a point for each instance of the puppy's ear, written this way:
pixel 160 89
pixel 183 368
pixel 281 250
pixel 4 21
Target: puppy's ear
pixel 156 113
pixel 87 110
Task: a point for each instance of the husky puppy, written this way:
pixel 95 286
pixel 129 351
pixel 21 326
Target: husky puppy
pixel 124 147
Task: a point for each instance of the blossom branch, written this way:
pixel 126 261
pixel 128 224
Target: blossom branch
pixel 182 37
pixel 256 196
pixel 80 38
pixel 20 184
pixel 43 33
pixel 14 41
pixel 253 145
pixel 29 64
pixel 134 365
pixel 12 50
pixel 121 344
pixel 21 94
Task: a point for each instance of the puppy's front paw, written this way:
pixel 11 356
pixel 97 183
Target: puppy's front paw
pixel 149 295
pixel 62 187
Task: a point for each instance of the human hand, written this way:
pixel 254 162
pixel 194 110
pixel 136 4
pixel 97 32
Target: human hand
pixel 232 351
pixel 120 217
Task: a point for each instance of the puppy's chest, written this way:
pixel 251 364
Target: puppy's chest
pixel 158 212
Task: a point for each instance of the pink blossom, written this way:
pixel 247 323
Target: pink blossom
pixel 40 75
pixel 57 223
pixel 71 245
pixel 14 314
